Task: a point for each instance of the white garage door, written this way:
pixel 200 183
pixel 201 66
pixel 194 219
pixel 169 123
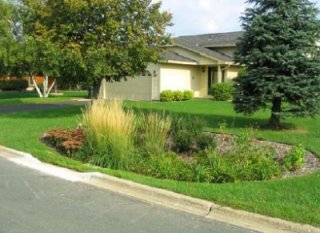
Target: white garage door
pixel 176 79
pixel 138 88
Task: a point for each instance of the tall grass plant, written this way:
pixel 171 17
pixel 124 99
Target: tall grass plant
pixel 109 130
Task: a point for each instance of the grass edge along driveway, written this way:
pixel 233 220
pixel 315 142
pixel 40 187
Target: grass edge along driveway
pixel 295 199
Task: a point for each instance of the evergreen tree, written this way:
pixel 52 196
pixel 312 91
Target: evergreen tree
pixel 280 49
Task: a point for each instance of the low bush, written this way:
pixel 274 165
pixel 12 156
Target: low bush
pixel 66 141
pixel 188 136
pixel 13 85
pixel 221 91
pixel 183 141
pixel 187 95
pixel 178 95
pixel 206 141
pixel 168 166
pixel 166 96
pixel 295 158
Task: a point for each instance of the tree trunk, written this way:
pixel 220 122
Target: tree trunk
pixel 36 86
pixel 94 90
pixel 50 88
pixel 274 122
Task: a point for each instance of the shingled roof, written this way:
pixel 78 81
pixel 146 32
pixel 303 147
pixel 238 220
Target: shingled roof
pixel 173 56
pixel 214 39
pixel 202 43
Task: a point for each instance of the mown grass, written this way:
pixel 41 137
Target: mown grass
pixel 26 97
pixel 296 199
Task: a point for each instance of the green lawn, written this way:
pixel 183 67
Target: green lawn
pixel 295 199
pixel 24 97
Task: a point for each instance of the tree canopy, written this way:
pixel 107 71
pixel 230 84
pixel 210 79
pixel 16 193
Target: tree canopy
pixel 7 38
pixel 280 50
pixel 110 39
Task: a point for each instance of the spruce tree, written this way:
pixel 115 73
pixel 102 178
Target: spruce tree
pixel 280 50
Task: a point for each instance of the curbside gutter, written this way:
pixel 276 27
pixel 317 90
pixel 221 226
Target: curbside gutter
pixel 162 197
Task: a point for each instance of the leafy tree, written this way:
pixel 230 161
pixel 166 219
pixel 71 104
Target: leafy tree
pixel 38 58
pixel 279 49
pixel 7 38
pixel 112 39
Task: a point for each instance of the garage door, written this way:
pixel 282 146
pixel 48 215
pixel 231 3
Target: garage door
pixel 176 78
pixel 138 88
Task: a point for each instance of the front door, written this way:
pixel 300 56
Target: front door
pixel 212 71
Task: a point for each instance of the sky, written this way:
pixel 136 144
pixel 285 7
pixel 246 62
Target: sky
pixel 205 16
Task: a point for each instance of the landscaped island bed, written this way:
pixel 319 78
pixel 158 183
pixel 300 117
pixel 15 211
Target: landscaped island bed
pixel 295 199
pixel 175 147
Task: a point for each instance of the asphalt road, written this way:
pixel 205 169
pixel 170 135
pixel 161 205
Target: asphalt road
pixel 31 202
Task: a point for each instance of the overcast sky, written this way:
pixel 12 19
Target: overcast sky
pixel 205 16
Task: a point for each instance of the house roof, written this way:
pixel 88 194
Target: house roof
pixel 173 56
pixel 214 40
pixel 202 50
pixel 201 44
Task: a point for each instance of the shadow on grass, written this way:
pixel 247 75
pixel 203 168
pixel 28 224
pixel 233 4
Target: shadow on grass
pixel 59 111
pixel 211 120
pixel 214 120
pixel 17 94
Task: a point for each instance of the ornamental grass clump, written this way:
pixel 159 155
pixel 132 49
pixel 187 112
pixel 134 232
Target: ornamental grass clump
pixel 109 131
pixel 153 133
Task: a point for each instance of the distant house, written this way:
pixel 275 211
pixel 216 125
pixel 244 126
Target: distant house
pixel 190 63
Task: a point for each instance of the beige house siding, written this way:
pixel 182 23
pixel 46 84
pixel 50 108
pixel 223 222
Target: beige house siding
pixel 132 89
pixel 203 82
pixel 231 73
pixel 181 77
pixel 143 87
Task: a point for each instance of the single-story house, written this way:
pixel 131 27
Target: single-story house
pixel 190 63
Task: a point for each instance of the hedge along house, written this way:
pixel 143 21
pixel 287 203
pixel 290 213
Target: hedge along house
pixel 190 63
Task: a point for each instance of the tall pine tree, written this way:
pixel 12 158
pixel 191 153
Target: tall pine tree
pixel 280 49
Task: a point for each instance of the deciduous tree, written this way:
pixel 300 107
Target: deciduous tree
pixel 113 39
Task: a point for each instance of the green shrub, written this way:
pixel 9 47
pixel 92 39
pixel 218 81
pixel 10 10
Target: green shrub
pixel 168 166
pixel 187 95
pixel 235 166
pixel 253 162
pixel 178 95
pixel 206 141
pixel 152 133
pixel 13 85
pixel 166 96
pixel 184 132
pixel 215 168
pixel 109 131
pixel 194 125
pixel 221 91
pixel 295 158
pixel 183 141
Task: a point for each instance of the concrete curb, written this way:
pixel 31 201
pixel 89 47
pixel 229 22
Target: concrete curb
pixel 152 195
pixel 162 197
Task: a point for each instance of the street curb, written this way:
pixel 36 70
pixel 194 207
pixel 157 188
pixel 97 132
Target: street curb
pixel 162 197
pixel 152 195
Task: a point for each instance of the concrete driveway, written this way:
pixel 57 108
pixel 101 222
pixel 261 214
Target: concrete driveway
pixel 31 202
